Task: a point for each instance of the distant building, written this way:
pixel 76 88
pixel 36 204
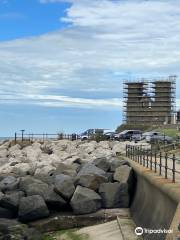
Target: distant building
pixel 150 102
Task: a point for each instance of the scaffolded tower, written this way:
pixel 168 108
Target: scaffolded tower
pixel 149 102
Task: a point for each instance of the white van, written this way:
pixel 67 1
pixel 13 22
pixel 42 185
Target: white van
pixel 90 132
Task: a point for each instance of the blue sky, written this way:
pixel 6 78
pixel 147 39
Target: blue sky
pixel 62 62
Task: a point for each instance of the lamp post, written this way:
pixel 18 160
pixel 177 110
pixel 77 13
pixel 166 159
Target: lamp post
pixel 22 134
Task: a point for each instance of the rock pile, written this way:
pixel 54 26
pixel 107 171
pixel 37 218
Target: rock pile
pixel 62 175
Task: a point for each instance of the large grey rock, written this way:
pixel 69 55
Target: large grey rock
pixel 9 183
pixel 45 174
pixel 102 163
pixel 3 153
pixel 1 195
pixel 76 167
pixel 123 174
pixel 114 195
pixel 85 201
pixel 64 186
pixel 54 200
pixel 11 200
pixel 91 177
pixel 69 170
pixel 104 144
pixel 37 189
pixel 26 181
pixel 90 181
pixel 32 208
pixel 14 230
pixel 5 213
pixel 33 234
pixel 23 169
pixel 115 163
pixel 91 169
pixel 103 152
pixel 3 161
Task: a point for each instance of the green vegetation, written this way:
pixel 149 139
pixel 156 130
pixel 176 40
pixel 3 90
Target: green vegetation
pixel 65 235
pixel 99 137
pixel 169 132
pixel 123 127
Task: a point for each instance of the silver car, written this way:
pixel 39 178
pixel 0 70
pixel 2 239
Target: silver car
pixel 154 137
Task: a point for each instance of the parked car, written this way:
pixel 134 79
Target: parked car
pixel 161 138
pixel 154 137
pixel 137 137
pixel 128 134
pixel 91 132
pixel 86 135
pixel 147 135
pixel 110 135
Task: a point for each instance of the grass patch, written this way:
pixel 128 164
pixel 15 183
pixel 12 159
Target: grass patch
pixel 65 235
pixel 169 132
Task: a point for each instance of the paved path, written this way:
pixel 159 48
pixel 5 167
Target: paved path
pixel 109 231
pixel 121 229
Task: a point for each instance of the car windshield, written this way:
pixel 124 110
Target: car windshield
pixel 84 133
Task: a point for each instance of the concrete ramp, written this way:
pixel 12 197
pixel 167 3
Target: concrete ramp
pixel 103 231
pixel 120 229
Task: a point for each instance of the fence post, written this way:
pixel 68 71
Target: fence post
pixel 135 153
pixel 147 160
pixel 174 168
pixel 144 158
pixel 138 150
pixel 166 158
pixel 155 162
pixel 132 153
pixel 15 137
pixel 141 152
pixel 160 163
pixel 151 160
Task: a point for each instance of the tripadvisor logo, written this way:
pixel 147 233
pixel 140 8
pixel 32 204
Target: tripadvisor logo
pixel 139 231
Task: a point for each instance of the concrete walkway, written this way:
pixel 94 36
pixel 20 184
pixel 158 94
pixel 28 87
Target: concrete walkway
pixel 120 229
pixel 103 231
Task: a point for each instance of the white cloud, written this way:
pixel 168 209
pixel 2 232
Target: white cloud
pixel 107 41
pixel 61 101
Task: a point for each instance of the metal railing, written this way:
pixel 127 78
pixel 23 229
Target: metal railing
pixel 158 162
pixel 43 136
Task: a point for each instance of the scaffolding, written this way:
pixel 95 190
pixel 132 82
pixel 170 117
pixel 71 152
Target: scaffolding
pixel 149 101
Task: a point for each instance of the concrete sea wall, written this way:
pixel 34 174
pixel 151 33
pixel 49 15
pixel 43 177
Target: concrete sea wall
pixel 156 204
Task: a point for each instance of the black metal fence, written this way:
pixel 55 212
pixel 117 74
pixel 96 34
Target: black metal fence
pixel 43 136
pixel 158 162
